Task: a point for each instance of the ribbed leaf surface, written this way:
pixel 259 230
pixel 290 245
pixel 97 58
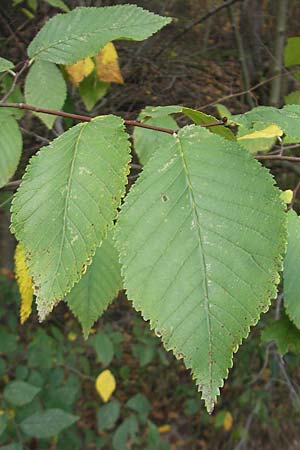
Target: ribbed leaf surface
pixel 10 147
pixel 200 237
pixel 146 142
pixel 68 198
pixel 45 87
pixel 291 273
pixel 98 287
pixel 67 38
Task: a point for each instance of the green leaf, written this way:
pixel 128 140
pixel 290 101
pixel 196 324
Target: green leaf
pixel 91 90
pixel 140 404
pixel 223 111
pixel 201 235
pixel 5 65
pixel 98 287
pixel 108 415
pixel 41 351
pixel 45 87
pixel 146 142
pixel 199 118
pixel 156 112
pixel 20 393
pixel 144 353
pixel 48 423
pixel 58 4
pixel 292 52
pixel 293 98
pixel 67 38
pixel 284 333
pixel 67 201
pixel 103 347
pixel 12 446
pixel 8 342
pixel 127 430
pixel 291 270
pixel 3 422
pixel 10 147
pixel 286 118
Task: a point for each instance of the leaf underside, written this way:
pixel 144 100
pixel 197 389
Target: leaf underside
pixel 200 237
pixel 67 201
pixel 147 141
pixel 45 87
pixel 98 287
pixel 284 333
pixel 291 274
pixel 5 65
pixel 67 38
pixel 10 147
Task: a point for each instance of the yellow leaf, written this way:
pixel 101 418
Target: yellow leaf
pixel 105 385
pixel 72 336
pixel 5 378
pixel 107 64
pixel 80 70
pixel 286 196
pixel 11 414
pixel 228 421
pixel 164 428
pixel 24 281
pixel 269 132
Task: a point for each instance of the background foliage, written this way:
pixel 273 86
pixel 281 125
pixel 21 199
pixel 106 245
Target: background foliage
pixel 130 419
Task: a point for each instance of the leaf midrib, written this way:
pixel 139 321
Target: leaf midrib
pixel 202 257
pixel 67 200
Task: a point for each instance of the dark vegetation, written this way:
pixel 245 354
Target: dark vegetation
pixel 159 404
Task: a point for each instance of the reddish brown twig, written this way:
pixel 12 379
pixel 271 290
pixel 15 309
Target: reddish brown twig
pixel 134 123
pixel 295 193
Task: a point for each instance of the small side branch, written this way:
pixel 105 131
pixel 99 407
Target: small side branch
pixel 134 123
pixel 295 159
pixel 244 92
pixel 13 85
pixel 282 12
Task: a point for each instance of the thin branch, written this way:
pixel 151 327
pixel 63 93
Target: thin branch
pixel 244 92
pixel 295 193
pixel 292 390
pixel 13 85
pixel 134 123
pixel 242 54
pixel 278 157
pixel 202 19
pixel 6 201
pixel 11 186
pixel 282 10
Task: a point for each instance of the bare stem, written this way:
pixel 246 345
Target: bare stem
pixel 244 92
pixel 278 157
pixel 134 123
